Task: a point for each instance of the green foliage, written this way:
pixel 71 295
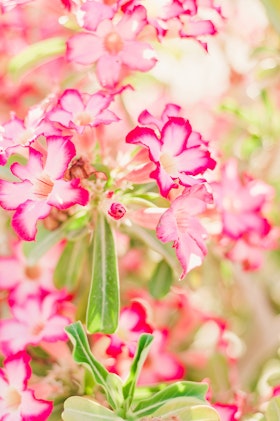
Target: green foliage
pixel 161 280
pixel 103 302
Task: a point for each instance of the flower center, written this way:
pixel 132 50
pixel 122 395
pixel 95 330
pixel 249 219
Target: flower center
pixel 113 43
pixel 168 163
pixel 37 329
pixel 13 399
pixel 32 272
pixel 43 186
pixel 82 119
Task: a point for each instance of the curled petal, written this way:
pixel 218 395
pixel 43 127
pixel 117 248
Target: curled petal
pixel 26 216
pixel 65 194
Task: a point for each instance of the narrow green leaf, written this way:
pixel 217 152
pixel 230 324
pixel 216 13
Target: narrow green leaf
pixel 82 354
pixel 77 408
pixel 36 54
pixel 70 264
pixel 161 280
pixel 103 302
pixel 140 356
pixel 186 410
pixel 195 392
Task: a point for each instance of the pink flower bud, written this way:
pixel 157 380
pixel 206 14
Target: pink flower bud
pixel 117 210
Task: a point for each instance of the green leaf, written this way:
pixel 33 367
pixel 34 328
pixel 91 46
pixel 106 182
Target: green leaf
pixel 77 408
pixel 36 54
pixel 161 280
pixel 140 356
pixel 82 354
pixel 70 264
pixel 103 302
pixel 272 412
pixel 273 12
pixel 186 410
pixel 194 392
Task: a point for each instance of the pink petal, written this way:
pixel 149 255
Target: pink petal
pixel 147 119
pixel 72 101
pixel 54 329
pixel 138 55
pixel 194 161
pixel 12 195
pixel 33 409
pixel 61 116
pixel 165 182
pixel 108 70
pixel 14 336
pixel 145 137
pixel 65 194
pixel 18 370
pixel 198 28
pixel 32 169
pixel 10 273
pixel 175 135
pixel 95 12
pixel 98 102
pixel 132 23
pixel 170 110
pixel 84 48
pixel 26 216
pixel 59 154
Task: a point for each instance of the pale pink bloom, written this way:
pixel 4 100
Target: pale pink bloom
pixel 23 280
pixel 114 47
pixel 7 5
pixel 34 321
pixel 41 186
pixel 147 119
pixel 76 111
pixel 17 401
pixel 17 134
pixel 178 152
pixel 180 224
pixel 240 199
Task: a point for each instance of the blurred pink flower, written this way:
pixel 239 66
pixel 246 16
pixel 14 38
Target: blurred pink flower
pixel 113 46
pixel 181 225
pixel 17 401
pixel 35 321
pixel 41 187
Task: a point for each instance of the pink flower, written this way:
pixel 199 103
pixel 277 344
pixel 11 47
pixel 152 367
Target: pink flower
pixel 241 200
pixel 179 153
pixel 35 321
pixel 23 280
pixel 113 47
pixel 17 401
pixel 181 225
pixel 93 12
pixel 41 187
pixel 76 111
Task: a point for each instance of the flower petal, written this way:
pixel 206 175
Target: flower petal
pixel 60 152
pixel 138 55
pixel 18 370
pixel 71 101
pixel 32 169
pixel 175 135
pixel 12 195
pixel 108 70
pixel 26 216
pixel 34 409
pixel 65 194
pixel 84 48
pixel 145 137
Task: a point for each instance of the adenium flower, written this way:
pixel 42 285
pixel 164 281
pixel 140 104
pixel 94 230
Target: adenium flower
pixel 76 111
pixel 41 186
pixel 114 46
pixel 240 201
pixel 181 225
pixel 17 401
pixel 23 280
pixel 34 321
pixel 178 153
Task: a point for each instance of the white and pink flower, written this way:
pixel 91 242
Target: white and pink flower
pixel 178 152
pixel 17 401
pixel 41 187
